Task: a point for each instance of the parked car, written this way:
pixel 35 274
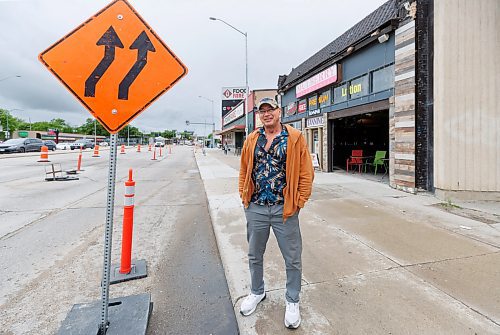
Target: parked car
pixel 51 145
pixel 104 144
pixel 21 145
pixel 63 146
pixel 159 144
pixel 83 143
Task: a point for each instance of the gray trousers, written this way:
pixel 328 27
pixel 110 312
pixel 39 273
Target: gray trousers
pixel 260 218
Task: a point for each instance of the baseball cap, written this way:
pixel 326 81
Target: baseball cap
pixel 271 102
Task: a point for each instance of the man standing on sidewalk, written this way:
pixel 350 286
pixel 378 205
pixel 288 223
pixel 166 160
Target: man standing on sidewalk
pixel 275 181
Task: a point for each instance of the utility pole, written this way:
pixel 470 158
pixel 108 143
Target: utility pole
pixel 213 120
pixel 247 89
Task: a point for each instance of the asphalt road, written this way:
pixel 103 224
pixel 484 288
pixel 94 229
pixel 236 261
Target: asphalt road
pixel 51 242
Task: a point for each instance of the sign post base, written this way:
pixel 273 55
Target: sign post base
pixel 127 316
pixel 138 271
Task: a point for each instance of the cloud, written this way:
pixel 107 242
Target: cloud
pixel 281 35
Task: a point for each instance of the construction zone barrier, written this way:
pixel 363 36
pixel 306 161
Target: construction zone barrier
pixel 128 270
pixel 96 151
pixel 53 172
pixel 44 154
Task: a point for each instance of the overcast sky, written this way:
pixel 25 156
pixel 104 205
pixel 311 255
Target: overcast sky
pixel 281 35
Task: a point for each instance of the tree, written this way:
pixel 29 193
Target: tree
pixel 10 123
pixel 88 128
pixel 169 133
pixel 130 130
pixel 186 135
pixel 59 124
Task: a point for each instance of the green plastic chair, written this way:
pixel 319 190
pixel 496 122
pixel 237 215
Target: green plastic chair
pixel 378 160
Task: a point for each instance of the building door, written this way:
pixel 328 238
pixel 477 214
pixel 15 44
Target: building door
pixel 315 144
pixel 368 132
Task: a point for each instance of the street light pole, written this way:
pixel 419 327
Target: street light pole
pixel 213 120
pixel 8 77
pixel 202 123
pixel 7 119
pixel 247 89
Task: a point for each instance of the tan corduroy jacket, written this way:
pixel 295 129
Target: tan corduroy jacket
pixel 299 171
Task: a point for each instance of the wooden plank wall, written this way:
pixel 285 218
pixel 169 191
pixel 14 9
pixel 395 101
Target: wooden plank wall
pixel 325 135
pixel 466 98
pixel 402 115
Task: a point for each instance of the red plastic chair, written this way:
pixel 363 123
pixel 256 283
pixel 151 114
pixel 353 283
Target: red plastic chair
pixel 356 158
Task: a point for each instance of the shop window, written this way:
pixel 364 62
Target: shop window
pixel 340 94
pixel 312 103
pixel 383 79
pixel 359 87
pixel 324 99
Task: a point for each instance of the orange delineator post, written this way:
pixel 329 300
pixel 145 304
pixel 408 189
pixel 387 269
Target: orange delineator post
pixel 96 151
pixel 170 149
pixel 149 147
pixel 160 151
pixel 122 151
pixel 154 155
pixel 79 165
pixel 44 154
pixel 128 224
pixel 138 148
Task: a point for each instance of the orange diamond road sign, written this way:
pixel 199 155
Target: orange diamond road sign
pixel 115 64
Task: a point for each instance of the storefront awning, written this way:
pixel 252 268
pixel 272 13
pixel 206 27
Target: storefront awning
pixel 240 128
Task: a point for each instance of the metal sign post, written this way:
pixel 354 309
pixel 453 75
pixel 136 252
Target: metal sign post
pixel 108 235
pixel 114 97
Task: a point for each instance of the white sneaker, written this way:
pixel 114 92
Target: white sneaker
pixel 250 303
pixel 292 315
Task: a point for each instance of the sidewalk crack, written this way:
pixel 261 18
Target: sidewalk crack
pixel 448 259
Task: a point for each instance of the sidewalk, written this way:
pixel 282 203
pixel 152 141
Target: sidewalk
pixel 375 260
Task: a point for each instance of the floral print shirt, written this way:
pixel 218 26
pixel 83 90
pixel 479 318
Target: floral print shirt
pixel 269 169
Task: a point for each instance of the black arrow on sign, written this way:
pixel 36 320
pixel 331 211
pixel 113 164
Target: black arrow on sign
pixel 110 40
pixel 143 44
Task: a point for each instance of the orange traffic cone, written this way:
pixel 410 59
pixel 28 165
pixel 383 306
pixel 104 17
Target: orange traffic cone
pixel 149 147
pixel 44 154
pixel 138 148
pixel 96 151
pixel 122 151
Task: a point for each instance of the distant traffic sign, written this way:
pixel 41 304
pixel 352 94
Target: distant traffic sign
pixel 114 64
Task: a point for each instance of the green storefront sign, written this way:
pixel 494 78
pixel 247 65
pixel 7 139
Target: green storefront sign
pixel 23 134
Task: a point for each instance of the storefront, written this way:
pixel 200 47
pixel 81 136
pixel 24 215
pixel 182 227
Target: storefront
pixel 233 127
pixel 359 114
pixel 343 97
pixel 356 107
pixel 314 129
